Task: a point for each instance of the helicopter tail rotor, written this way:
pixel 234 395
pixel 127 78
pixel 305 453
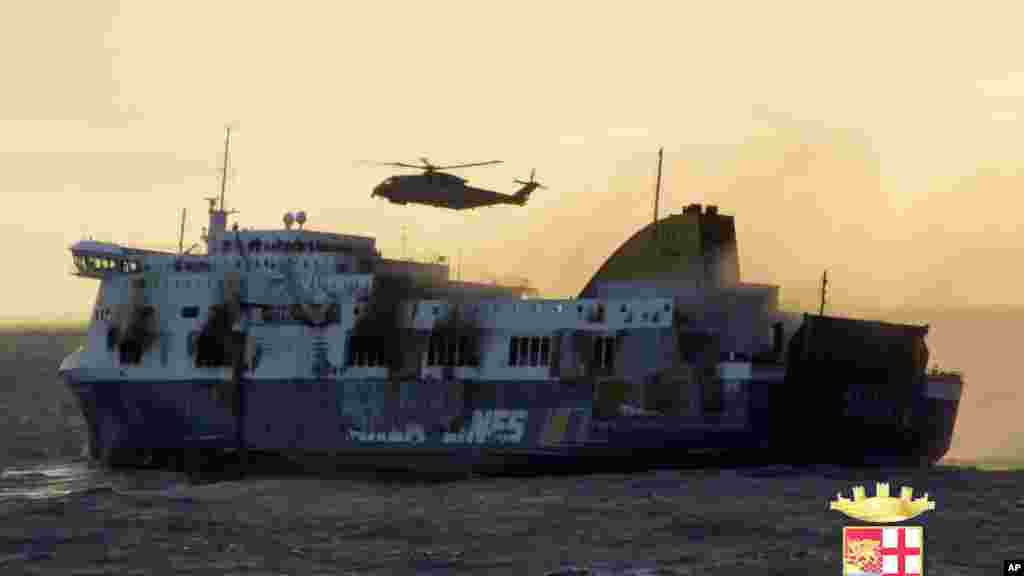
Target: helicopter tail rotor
pixel 533 184
pixel 523 194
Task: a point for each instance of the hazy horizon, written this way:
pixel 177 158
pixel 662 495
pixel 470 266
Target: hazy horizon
pixel 881 142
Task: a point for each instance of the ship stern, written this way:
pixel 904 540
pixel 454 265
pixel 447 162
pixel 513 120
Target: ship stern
pixel 942 403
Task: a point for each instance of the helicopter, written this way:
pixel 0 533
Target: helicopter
pixel 435 188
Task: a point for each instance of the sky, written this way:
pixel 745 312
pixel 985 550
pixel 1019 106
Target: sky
pixel 879 140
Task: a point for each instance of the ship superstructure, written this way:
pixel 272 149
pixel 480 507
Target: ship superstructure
pixel 304 342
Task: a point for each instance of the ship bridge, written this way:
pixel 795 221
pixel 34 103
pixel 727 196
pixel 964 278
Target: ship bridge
pixel 95 259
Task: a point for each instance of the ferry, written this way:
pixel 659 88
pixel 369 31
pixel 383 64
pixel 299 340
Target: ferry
pixel 312 345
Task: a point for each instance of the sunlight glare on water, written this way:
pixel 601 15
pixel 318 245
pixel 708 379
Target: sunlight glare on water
pixel 49 480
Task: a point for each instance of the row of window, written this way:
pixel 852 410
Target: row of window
pixel 442 350
pixel 445 350
pixel 536 351
pixel 596 312
pixel 293 246
pixel 529 351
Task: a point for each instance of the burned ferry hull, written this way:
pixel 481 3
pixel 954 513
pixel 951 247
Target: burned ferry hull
pixel 861 387
pixel 497 426
pixel 513 426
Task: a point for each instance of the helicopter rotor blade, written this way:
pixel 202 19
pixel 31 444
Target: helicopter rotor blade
pixel 489 162
pixel 398 164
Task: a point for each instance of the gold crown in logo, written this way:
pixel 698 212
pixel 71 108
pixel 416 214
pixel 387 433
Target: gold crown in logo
pixel 881 507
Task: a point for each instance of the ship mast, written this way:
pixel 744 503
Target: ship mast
pixel 224 169
pixel 824 286
pixel 181 233
pixel 218 215
pixel 657 194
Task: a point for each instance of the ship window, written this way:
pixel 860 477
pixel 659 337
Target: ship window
pixel 441 353
pixel 604 352
pixel 366 351
pixel 534 351
pixel 190 312
pixel 464 356
pixel 451 352
pixel 513 350
pixel 545 350
pixel 524 351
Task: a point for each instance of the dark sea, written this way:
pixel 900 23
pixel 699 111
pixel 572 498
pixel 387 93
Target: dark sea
pixel 61 514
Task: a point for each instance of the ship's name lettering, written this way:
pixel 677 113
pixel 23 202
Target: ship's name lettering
pixel 413 433
pixel 487 426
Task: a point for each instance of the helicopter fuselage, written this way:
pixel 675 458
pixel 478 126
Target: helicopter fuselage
pixel 441 190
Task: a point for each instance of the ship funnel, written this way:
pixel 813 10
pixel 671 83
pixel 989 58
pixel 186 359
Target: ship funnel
pixel 288 220
pixel 300 218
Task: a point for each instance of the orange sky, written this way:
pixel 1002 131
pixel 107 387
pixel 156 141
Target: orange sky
pixel 880 140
